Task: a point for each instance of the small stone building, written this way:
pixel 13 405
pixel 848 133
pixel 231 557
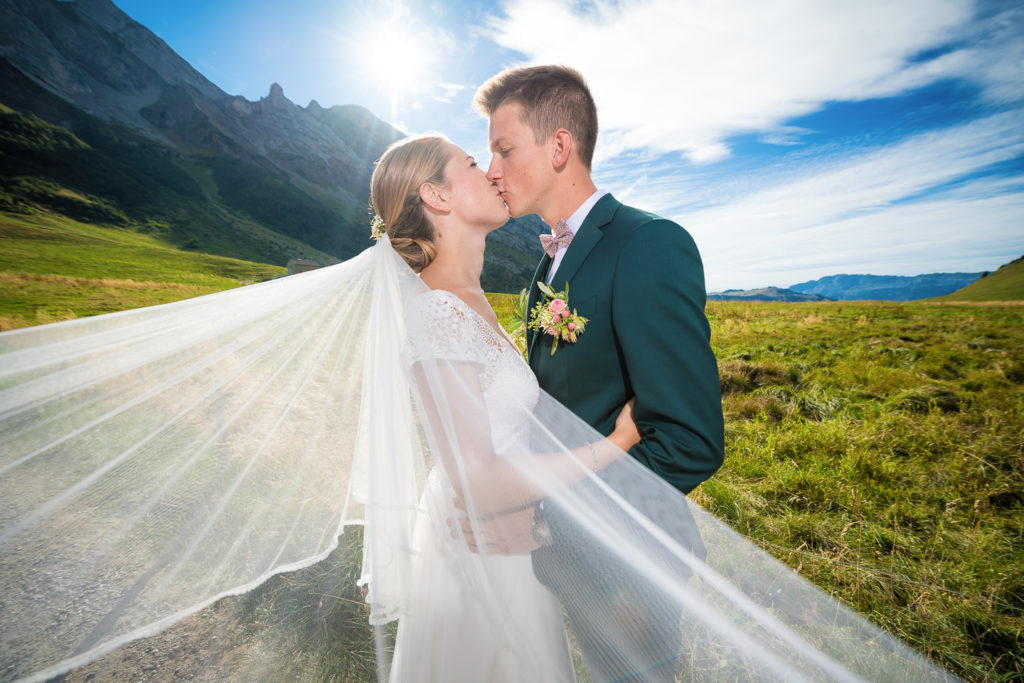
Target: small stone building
pixel 301 265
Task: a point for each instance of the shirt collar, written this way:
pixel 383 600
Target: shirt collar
pixel 579 215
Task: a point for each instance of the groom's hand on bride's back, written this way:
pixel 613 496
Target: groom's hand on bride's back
pixel 508 533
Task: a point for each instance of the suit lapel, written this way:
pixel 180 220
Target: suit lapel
pixel 539 274
pixel 585 240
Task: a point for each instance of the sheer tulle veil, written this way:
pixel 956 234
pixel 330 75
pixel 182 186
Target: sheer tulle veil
pixel 159 459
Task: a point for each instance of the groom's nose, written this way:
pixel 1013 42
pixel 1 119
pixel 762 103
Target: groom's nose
pixel 494 169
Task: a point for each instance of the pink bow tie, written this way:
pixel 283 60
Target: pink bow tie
pixel 560 237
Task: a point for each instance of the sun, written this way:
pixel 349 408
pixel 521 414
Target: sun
pixel 396 59
pixel 395 55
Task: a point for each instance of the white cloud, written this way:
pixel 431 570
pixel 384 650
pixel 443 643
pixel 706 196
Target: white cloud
pixel 446 92
pixel 624 195
pixel 784 135
pixel 685 76
pixel 870 212
pixel 672 75
pixel 996 56
pixel 928 236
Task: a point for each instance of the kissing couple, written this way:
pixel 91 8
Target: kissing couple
pixel 522 521
pixel 641 372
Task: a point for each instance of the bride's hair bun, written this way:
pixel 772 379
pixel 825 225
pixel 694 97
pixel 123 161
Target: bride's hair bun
pixel 395 193
pixel 416 252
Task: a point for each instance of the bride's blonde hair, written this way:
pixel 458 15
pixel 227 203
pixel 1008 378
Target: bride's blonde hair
pixel 395 194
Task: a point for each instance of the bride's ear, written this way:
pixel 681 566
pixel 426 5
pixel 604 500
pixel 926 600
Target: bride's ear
pixel 434 197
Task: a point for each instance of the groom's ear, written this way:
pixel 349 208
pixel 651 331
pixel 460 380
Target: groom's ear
pixel 434 197
pixel 562 146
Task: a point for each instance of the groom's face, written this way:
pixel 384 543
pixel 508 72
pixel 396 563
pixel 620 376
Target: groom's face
pixel 519 166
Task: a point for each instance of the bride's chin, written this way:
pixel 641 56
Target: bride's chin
pixel 503 220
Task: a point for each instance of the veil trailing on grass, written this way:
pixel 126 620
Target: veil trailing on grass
pixel 157 460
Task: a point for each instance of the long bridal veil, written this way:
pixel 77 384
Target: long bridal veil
pixel 156 460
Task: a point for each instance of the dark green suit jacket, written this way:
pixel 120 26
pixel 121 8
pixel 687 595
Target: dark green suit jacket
pixel 639 280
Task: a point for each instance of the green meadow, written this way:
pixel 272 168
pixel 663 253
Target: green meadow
pixel 56 268
pixel 876 448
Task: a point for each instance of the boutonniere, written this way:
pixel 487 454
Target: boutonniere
pixel 551 316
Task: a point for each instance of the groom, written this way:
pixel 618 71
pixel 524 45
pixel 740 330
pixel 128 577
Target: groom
pixel 639 281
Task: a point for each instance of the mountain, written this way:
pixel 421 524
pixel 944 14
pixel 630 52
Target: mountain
pixel 886 287
pixel 1005 284
pixel 104 122
pixel 763 294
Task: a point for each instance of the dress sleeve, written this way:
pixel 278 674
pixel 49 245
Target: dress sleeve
pixel 439 328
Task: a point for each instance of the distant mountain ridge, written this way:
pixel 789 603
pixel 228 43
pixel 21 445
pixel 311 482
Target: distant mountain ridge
pixel 763 294
pixel 845 287
pixel 857 287
pixel 166 149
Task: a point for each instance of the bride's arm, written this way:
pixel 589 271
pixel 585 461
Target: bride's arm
pixel 452 400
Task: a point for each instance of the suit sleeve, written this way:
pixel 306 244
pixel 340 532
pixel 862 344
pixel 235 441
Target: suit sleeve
pixel 658 302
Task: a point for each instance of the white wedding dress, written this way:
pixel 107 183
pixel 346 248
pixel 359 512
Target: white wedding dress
pixel 473 617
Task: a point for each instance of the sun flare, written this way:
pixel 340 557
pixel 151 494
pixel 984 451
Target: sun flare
pixel 395 57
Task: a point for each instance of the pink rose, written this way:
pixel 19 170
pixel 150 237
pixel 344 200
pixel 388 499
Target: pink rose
pixel 556 318
pixel 572 326
pixel 557 306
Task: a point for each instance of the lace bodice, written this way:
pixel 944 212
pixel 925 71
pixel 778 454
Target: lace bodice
pixel 441 326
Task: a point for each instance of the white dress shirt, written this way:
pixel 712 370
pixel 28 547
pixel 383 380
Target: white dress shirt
pixel 574 222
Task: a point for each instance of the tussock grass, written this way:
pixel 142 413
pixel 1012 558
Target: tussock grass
pixel 311 624
pixel 875 447
pixel 878 449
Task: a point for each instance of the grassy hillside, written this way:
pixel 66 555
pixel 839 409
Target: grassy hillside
pixel 1005 284
pixel 876 448
pixel 56 268
pixel 107 174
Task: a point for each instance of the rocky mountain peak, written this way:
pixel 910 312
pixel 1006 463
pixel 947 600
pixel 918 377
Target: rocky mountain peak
pixel 276 97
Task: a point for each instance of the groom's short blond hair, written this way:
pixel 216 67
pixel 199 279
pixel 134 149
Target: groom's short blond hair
pixel 552 97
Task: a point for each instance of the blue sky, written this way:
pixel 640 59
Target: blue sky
pixel 793 139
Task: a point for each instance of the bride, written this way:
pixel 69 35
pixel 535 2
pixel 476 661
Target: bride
pixel 160 459
pixel 437 207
